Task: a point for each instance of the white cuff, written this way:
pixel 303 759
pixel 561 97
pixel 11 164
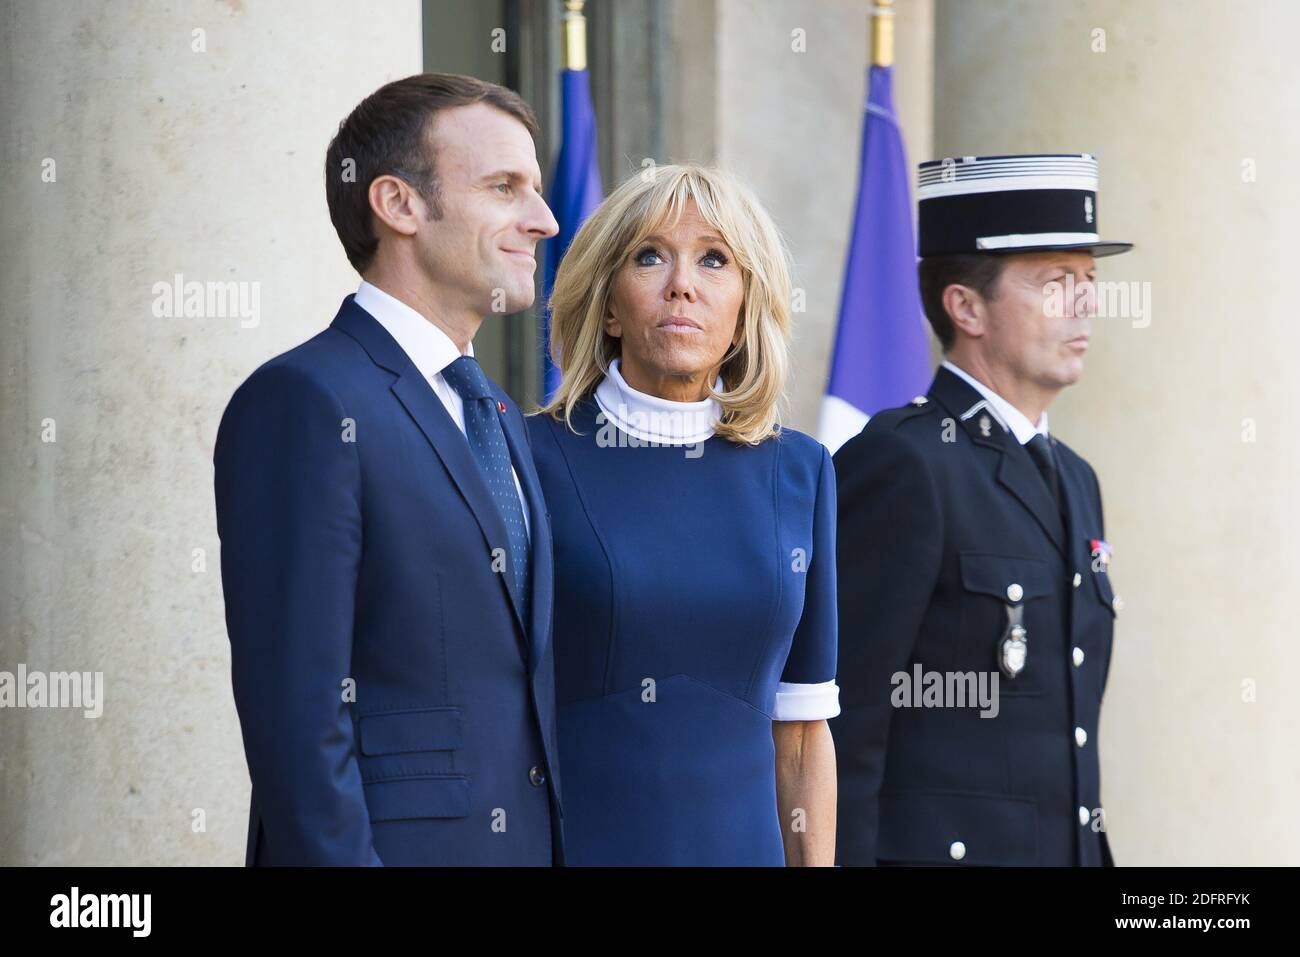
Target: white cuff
pixel 796 702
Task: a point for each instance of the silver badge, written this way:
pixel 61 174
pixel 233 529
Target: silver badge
pixel 986 427
pixel 1012 646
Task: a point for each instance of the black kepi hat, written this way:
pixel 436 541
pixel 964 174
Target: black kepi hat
pixel 1010 204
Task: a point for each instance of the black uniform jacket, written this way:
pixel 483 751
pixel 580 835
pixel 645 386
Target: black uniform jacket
pixel 947 531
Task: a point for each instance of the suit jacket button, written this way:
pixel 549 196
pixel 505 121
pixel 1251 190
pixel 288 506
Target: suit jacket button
pixel 1015 592
pixel 957 851
pixel 1080 737
pixel 1078 579
pixel 1078 656
pixel 1084 817
pixel 535 777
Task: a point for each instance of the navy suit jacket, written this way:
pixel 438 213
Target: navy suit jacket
pixel 395 709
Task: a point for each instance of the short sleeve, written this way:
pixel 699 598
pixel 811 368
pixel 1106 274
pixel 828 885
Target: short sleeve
pixel 807 690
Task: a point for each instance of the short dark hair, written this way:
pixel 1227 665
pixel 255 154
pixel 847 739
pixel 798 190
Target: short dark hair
pixel 979 271
pixel 387 134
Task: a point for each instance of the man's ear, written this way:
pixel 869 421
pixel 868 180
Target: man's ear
pixel 965 307
pixel 395 204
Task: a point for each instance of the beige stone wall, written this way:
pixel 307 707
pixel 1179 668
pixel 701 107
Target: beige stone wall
pixel 167 161
pixel 1190 413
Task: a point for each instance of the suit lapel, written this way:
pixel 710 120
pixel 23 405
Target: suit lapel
pixel 1072 493
pixel 1014 469
pixel 416 395
pixel 1021 477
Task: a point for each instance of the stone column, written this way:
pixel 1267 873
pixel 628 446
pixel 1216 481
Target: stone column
pixel 149 146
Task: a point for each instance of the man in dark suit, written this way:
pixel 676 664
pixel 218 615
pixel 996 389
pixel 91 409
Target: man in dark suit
pixel 385 549
pixel 976 606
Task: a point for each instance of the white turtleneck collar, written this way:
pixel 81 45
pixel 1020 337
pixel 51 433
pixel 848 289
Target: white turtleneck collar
pixel 652 419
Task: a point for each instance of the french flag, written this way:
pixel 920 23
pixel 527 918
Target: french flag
pixel 882 356
pixel 575 192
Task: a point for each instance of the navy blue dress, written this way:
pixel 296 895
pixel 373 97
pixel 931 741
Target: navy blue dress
pixel 688 585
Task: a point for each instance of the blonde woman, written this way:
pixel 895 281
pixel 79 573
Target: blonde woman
pixel 694 622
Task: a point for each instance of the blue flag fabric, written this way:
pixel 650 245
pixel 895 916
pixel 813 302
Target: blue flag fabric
pixel 575 192
pixel 881 357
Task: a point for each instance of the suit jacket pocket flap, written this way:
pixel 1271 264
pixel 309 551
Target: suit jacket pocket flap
pixel 994 574
pixel 396 732
pixel 922 827
pixel 403 798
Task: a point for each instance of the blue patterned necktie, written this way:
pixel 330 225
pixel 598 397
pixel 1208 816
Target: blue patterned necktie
pixel 487 441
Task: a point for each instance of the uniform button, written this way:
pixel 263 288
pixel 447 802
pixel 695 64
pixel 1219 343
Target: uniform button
pixel 1015 592
pixel 1084 817
pixel 1078 579
pixel 1080 737
pixel 1078 656
pixel 920 400
pixel 957 850
pixel 1117 603
pixel 535 777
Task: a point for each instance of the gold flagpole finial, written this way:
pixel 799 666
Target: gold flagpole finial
pixel 575 35
pixel 882 33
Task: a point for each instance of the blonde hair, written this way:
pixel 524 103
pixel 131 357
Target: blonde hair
pixel 754 371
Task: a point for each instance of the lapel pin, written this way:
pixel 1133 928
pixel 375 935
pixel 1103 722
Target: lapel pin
pixel 986 427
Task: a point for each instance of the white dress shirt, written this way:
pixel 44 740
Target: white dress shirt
pixel 1010 417
pixel 430 350
pixel 667 422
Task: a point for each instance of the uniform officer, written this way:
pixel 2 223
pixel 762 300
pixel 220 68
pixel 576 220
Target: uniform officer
pixel 971 547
